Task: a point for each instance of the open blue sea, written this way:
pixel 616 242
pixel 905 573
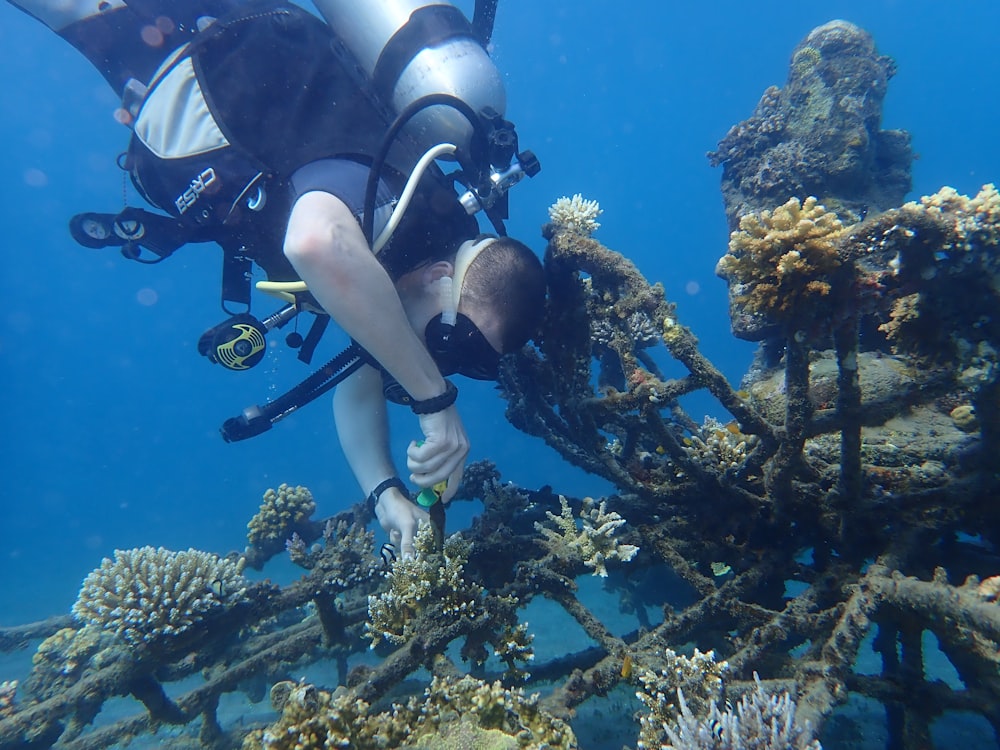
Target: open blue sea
pixel 110 417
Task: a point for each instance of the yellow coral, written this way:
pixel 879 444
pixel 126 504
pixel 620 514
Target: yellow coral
pixel 784 260
pixel 463 712
pixel 975 221
pixel 804 60
pixel 280 511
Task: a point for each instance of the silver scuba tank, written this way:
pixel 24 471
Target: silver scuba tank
pixel 409 49
pixel 58 14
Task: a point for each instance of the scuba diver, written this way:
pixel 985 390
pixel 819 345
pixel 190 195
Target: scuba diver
pixel 311 149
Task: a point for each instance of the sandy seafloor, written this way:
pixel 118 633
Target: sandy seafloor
pixel 110 433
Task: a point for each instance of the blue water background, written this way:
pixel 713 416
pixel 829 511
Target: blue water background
pixel 110 417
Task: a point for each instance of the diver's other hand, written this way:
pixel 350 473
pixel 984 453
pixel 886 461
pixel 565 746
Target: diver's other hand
pixel 440 456
pixel 399 518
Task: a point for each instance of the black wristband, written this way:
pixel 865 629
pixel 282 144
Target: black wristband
pixel 438 403
pixel 382 487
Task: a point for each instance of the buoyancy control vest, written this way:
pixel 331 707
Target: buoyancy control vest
pixel 255 95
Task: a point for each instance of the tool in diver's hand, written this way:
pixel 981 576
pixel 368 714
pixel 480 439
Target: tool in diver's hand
pixel 430 498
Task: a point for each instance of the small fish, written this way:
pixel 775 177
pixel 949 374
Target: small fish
pixel 388 553
pixel 626 667
pixel 218 587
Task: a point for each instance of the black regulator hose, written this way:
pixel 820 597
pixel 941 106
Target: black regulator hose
pixel 477 148
pixel 483 18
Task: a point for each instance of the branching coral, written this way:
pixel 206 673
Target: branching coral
pixel 941 253
pixel 719 445
pixel 575 215
pixel 62 658
pixel 513 647
pixel 351 546
pixel 683 699
pixel 699 676
pixel 592 541
pixel 975 221
pixel 282 513
pixel 760 721
pixel 782 262
pixel 8 695
pixel 462 712
pixel 420 582
pixel 145 595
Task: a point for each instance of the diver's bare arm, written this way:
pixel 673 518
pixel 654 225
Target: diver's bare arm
pixel 362 425
pixel 327 248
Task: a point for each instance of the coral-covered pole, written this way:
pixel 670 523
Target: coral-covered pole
pixel 849 409
pixel 798 411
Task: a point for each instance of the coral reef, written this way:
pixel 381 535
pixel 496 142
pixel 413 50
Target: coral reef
pixel 780 266
pixel 841 505
pixel 350 544
pixel 8 694
pixel 148 594
pixel 61 659
pixel 719 445
pixel 940 246
pixel 575 215
pixel 416 582
pixel 819 135
pixel 698 677
pixel 454 713
pixel 759 720
pixel 593 541
pixel 283 512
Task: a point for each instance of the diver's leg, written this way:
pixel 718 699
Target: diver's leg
pixel 124 39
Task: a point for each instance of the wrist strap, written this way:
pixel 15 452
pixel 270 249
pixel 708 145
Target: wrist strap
pixel 382 487
pixel 438 403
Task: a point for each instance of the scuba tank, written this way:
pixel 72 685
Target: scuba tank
pixel 409 49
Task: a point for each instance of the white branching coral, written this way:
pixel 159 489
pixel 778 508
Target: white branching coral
pixel 760 720
pixel 147 594
pixel 700 678
pixel 575 215
pixel 592 539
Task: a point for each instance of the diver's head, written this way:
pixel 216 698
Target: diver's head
pixel 491 306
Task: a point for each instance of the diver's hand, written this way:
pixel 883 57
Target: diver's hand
pixel 399 518
pixel 441 455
